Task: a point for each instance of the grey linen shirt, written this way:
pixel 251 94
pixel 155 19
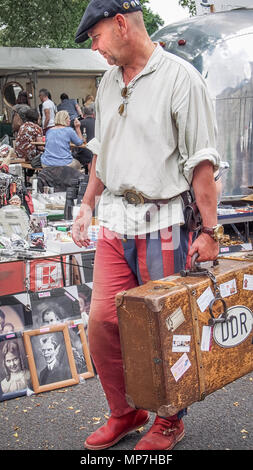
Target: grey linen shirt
pixel 167 128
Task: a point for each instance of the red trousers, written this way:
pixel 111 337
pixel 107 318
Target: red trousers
pixel 122 264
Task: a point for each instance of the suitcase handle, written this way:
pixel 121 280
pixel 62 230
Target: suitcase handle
pixel 196 270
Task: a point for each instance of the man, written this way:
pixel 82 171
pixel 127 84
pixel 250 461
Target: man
pixel 154 138
pixel 71 106
pixel 48 110
pixel 84 155
pixel 57 366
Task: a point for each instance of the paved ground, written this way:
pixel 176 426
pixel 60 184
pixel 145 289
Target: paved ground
pixel 62 419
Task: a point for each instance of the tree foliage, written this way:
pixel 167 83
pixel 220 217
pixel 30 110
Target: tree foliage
pixel 190 4
pixel 37 23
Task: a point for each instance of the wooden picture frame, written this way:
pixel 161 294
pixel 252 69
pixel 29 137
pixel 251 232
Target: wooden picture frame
pixel 15 379
pixel 84 363
pixel 50 358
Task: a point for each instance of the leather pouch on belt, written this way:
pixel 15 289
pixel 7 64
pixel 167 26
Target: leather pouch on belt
pixel 192 215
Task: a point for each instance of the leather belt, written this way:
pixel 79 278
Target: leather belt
pixel 135 197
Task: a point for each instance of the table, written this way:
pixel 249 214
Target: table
pixel 20 274
pixel 237 218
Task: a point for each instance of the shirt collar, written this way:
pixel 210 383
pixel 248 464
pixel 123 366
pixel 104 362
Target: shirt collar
pixel 150 66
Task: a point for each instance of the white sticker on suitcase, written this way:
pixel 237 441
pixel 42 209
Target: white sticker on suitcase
pixel 180 367
pixel 206 340
pixel 248 282
pixel 228 288
pixel 175 319
pixel 181 343
pixel 205 299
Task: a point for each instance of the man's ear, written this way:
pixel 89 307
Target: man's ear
pixel 120 23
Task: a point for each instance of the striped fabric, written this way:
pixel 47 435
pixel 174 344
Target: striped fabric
pixel 121 264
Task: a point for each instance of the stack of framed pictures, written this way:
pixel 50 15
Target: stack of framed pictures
pixel 43 342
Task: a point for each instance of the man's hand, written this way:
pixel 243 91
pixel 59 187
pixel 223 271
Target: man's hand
pixel 206 247
pixel 81 225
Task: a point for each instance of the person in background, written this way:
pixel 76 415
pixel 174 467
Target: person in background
pixel 89 102
pixel 29 132
pixel 48 110
pixel 84 155
pixel 22 98
pixel 71 106
pixel 18 117
pixel 57 149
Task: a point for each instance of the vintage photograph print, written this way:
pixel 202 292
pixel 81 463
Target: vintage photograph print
pixel 50 358
pixel 54 306
pixel 15 377
pixel 15 313
pixel 84 295
pixel 80 349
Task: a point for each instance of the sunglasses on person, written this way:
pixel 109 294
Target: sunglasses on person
pixel 122 106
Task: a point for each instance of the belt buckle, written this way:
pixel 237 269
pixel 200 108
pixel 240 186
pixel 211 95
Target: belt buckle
pixel 133 197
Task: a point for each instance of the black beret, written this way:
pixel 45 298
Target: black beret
pixel 99 9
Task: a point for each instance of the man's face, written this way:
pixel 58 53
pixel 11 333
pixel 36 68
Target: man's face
pixel 105 41
pixel 49 352
pixel 42 97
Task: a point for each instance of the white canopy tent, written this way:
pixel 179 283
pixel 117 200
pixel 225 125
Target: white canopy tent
pixel 73 71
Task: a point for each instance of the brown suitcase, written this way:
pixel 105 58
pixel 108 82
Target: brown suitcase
pixel 181 341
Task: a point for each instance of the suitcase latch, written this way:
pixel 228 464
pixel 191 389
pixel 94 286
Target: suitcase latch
pixel 223 317
pixel 197 271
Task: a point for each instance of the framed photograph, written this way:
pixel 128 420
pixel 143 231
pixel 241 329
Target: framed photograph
pixel 50 358
pixel 80 349
pixel 15 377
pixel 15 313
pixel 84 296
pixel 54 306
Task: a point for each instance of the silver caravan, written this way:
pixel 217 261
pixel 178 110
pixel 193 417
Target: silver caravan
pixel 220 46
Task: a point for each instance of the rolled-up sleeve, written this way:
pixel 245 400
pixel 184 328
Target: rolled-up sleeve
pixel 94 146
pixel 195 120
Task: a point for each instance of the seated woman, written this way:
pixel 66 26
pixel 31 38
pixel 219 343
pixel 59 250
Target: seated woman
pixel 28 132
pixel 58 138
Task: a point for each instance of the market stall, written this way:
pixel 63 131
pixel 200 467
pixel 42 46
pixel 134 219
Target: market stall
pixel 46 286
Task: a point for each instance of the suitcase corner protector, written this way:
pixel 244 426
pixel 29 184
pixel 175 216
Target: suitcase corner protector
pixel 167 410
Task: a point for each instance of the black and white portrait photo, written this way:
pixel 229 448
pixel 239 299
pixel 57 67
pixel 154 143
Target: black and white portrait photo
pixel 52 307
pixel 77 349
pixel 84 295
pixel 15 314
pixel 51 358
pixel 14 372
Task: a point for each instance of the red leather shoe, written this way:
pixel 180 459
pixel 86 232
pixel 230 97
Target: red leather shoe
pixel 163 435
pixel 116 428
